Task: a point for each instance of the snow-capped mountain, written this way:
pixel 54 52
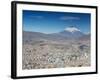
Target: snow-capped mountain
pixel 72 29
pixel 72 32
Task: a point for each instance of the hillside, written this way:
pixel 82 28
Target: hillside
pixel 68 48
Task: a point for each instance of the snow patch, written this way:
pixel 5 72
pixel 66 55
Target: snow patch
pixel 72 29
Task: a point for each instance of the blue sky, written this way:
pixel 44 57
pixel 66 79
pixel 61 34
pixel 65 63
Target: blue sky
pixel 52 22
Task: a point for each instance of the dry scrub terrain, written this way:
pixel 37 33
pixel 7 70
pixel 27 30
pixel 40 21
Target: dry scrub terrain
pixel 55 54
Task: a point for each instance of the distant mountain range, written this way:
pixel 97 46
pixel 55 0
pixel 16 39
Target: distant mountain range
pixel 70 33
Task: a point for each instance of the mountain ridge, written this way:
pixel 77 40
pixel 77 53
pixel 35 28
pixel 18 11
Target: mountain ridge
pixel 60 36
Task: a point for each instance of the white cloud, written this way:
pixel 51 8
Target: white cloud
pixel 37 17
pixel 69 18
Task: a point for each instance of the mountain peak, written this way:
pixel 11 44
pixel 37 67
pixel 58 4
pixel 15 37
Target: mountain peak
pixel 72 29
